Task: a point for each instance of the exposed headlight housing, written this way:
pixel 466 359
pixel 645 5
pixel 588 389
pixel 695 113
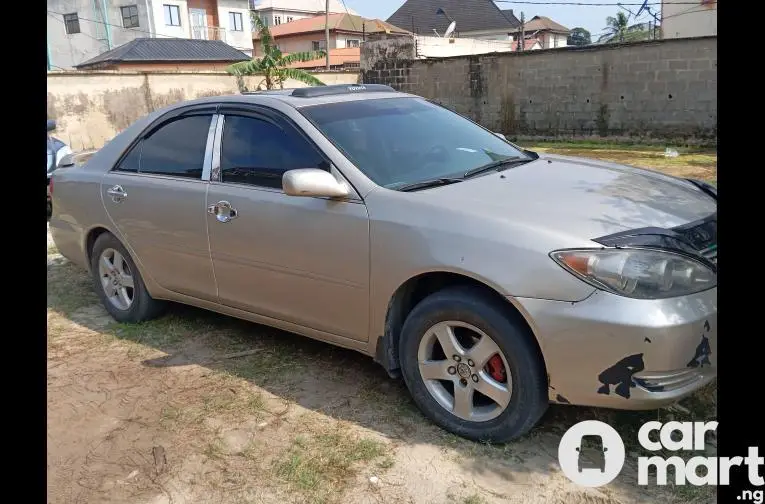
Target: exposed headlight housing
pixel 638 273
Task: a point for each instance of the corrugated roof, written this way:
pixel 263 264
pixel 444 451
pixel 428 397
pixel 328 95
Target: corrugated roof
pixel 542 23
pixel 470 15
pixel 156 49
pixel 508 13
pixel 343 22
pixel 336 57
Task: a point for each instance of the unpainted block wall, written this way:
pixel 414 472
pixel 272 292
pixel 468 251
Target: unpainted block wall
pixel 91 107
pixel 664 88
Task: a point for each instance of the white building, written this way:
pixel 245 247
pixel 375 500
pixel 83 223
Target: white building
pixel 276 12
pixel 79 30
pixel 679 19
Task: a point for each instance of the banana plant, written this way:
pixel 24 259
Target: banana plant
pixel 273 65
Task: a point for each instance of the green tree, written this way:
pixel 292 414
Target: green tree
pixel 579 37
pixel 618 29
pixel 273 65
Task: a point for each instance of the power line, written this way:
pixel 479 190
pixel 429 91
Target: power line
pixel 350 16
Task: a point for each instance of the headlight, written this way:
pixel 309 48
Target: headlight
pixel 638 273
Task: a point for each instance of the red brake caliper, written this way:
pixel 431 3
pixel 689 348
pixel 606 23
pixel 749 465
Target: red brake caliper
pixel 496 368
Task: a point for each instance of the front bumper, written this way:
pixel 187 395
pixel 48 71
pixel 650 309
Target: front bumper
pixel 612 351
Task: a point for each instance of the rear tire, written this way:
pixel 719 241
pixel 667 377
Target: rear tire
pixel 521 400
pixel 119 284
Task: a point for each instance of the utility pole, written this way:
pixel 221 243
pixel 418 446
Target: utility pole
pixel 522 39
pixel 326 32
pixel 105 16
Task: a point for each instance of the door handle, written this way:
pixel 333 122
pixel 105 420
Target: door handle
pixel 223 211
pixel 117 193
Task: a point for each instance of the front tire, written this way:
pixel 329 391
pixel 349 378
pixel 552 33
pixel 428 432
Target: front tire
pixel 119 284
pixel 472 368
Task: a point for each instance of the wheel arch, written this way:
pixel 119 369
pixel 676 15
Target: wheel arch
pixel 415 289
pixel 90 239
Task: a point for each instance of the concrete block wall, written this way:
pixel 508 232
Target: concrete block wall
pixel 91 107
pixel 665 88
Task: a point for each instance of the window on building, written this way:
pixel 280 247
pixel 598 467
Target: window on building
pixel 257 152
pixel 129 16
pixel 71 23
pixel 352 43
pixel 172 15
pixel 235 21
pixel 289 19
pixel 277 20
pixel 319 45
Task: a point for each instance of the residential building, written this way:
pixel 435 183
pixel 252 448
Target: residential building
pixel 478 19
pixel 276 12
pixel 680 19
pixel 529 44
pixel 345 31
pixel 166 54
pixel 549 33
pixel 79 30
pixel 347 58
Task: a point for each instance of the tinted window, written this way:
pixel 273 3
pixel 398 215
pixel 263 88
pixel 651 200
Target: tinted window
pixel 258 152
pixel 131 162
pixel 403 140
pixel 177 148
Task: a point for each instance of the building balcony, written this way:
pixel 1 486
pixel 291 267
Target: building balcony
pixel 208 33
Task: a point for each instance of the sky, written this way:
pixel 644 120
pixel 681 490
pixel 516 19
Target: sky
pixel 592 18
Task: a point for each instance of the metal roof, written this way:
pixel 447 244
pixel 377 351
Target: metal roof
pixel 169 49
pixel 421 16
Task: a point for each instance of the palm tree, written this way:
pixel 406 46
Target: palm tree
pixel 273 65
pixel 619 30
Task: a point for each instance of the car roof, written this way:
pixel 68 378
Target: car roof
pixel 306 97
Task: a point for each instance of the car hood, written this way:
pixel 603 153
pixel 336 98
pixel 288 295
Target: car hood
pixel 582 197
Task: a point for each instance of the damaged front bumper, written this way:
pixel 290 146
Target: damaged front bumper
pixel 617 352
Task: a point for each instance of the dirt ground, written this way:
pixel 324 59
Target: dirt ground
pixel 200 408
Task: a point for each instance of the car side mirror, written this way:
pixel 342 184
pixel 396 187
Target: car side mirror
pixel 531 154
pixel 500 135
pixel 51 125
pixel 577 448
pixel 605 449
pixel 66 161
pixel 313 182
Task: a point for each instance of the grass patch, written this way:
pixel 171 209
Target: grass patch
pixel 69 288
pixel 693 162
pixel 467 499
pixel 320 465
pixel 163 333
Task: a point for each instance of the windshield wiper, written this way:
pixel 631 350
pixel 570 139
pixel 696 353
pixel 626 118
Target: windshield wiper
pixel 495 165
pixel 424 184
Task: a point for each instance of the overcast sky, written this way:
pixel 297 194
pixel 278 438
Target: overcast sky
pixel 593 18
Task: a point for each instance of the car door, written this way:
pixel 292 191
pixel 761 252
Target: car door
pixel 302 260
pixel 155 196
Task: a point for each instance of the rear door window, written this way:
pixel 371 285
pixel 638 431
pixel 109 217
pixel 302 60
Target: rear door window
pixel 177 148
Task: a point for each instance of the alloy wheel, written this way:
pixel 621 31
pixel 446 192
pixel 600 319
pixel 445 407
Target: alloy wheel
pixel 116 279
pixel 465 371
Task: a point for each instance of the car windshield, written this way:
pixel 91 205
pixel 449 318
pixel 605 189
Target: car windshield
pixel 402 141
